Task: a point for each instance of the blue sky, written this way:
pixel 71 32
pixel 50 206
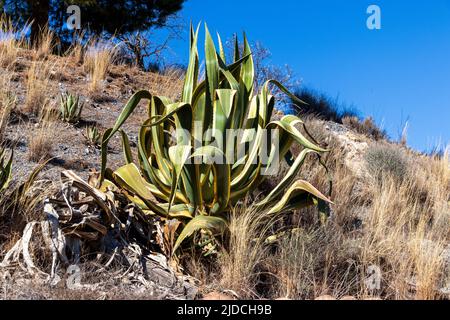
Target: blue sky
pixel 398 73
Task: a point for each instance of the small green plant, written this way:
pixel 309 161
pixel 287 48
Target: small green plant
pixel 5 170
pixel 71 107
pixel 93 136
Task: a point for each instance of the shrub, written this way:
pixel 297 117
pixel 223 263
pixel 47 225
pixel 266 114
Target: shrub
pixel 366 127
pixel 317 105
pixel 385 159
pixel 322 106
pixel 167 182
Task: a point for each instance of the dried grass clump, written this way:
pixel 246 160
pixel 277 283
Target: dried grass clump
pixel 21 204
pixel 37 84
pixel 366 127
pixel 382 159
pixel 241 262
pixel 406 235
pixel 41 141
pixel 168 84
pixel 11 40
pixel 98 58
pixel 44 45
pixel 7 104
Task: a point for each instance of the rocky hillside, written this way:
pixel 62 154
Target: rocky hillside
pixel 389 218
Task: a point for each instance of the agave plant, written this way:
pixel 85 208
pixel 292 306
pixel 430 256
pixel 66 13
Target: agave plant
pixel 5 170
pixel 93 136
pixel 71 107
pixel 179 178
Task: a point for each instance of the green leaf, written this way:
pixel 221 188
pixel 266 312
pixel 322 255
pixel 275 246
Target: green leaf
pixel 300 194
pixel 128 156
pixel 130 178
pixel 200 222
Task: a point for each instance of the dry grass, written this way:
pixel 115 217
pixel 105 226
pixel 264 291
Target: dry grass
pixel 168 84
pixel 10 43
pixel 367 127
pixel 37 84
pixel 7 104
pixel 45 44
pixel 21 204
pixel 242 261
pixel 76 52
pixel 41 141
pixel 397 225
pixel 98 57
pixel 407 231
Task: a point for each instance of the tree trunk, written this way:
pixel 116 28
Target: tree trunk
pixel 39 15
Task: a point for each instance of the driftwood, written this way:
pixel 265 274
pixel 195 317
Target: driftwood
pixel 84 221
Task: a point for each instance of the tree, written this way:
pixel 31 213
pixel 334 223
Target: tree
pixel 116 17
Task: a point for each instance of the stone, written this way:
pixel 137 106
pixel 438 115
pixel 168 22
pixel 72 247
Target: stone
pixel 217 296
pixel 325 297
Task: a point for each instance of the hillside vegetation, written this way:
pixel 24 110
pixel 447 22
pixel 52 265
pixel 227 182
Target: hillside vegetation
pixel 379 229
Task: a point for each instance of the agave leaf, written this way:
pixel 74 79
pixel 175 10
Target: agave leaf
pixel 247 69
pixel 6 172
pixel 283 89
pixel 223 108
pixel 128 156
pixel 221 50
pixel 178 154
pixel 221 173
pixel 287 179
pixel 197 223
pixel 252 163
pixel 130 178
pixel 99 197
pixel 287 123
pixel 192 71
pixel 104 149
pixel 159 180
pixel 212 67
pixel 128 110
pixel 157 138
pixel 300 194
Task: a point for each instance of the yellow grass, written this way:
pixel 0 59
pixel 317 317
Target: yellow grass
pixel 41 141
pixel 7 104
pixel 399 227
pixel 10 44
pixel 45 44
pixel 37 85
pixel 97 60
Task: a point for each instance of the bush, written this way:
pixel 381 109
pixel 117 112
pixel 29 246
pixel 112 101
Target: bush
pixel 322 106
pixel 383 159
pixel 366 127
